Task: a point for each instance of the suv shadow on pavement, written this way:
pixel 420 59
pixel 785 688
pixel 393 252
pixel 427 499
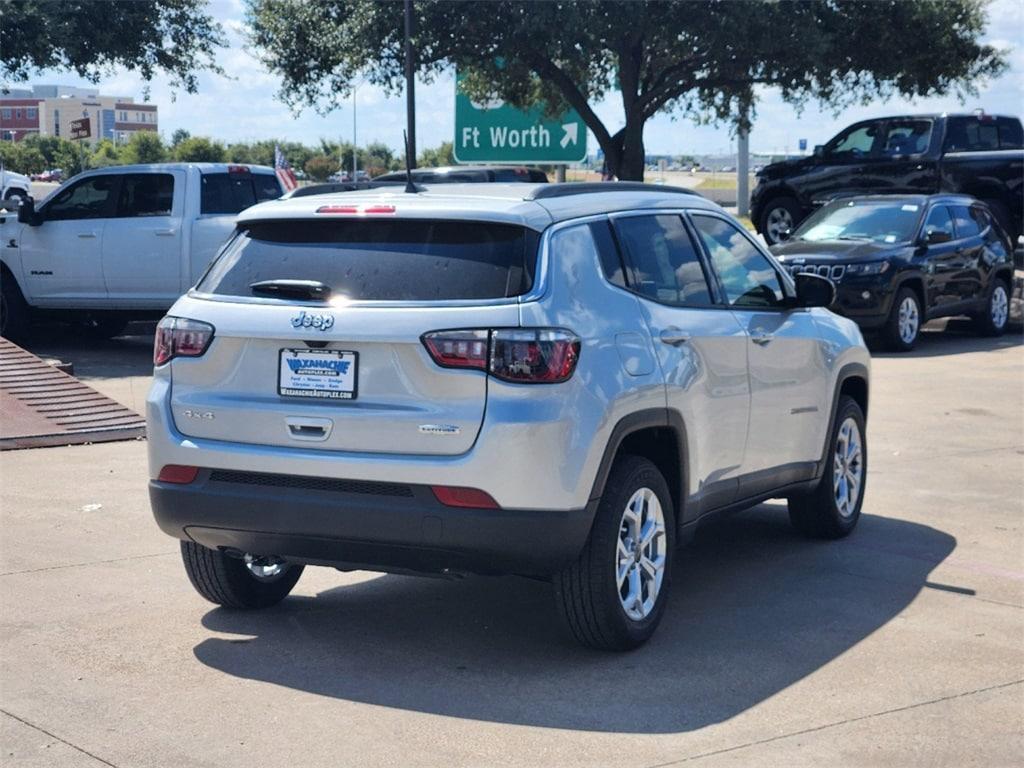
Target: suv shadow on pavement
pixel 129 354
pixel 754 610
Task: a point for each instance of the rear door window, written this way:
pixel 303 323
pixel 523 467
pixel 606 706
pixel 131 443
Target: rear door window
pixel 663 260
pixel 411 260
pixel 146 194
pixel 907 137
pixel 234 192
pixel 965 224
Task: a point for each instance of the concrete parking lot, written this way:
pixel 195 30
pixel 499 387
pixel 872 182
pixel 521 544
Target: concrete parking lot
pixel 902 645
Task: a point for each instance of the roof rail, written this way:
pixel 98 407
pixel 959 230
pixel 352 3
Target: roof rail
pixel 547 191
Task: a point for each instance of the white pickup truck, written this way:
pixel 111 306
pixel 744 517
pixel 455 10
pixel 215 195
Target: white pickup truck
pixel 120 243
pixel 13 185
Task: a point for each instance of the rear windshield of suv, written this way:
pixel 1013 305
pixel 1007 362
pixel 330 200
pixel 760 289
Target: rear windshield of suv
pixel 234 192
pixel 410 260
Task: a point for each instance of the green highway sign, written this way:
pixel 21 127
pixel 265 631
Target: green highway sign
pixel 499 133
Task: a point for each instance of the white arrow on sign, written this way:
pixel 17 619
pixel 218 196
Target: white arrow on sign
pixel 572 133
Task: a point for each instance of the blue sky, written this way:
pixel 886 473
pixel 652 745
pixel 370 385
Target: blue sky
pixel 244 106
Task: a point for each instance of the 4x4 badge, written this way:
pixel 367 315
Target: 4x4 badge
pixel 306 320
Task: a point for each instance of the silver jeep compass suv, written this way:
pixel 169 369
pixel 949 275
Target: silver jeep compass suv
pixel 550 380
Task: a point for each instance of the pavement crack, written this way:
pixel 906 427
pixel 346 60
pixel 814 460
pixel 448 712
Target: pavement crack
pixel 83 565
pixel 75 747
pixel 836 724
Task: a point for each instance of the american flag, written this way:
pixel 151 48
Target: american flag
pixel 284 170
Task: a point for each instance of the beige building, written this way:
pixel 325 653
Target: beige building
pixel 49 111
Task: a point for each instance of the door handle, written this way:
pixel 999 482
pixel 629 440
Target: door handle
pixel 761 336
pixel 85 235
pixel 164 232
pixel 674 336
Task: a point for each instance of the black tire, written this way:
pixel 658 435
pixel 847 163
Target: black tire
pixel 891 333
pixel 817 513
pixel 103 327
pixel 587 591
pixel 227 581
pixel 776 211
pixel 988 322
pixel 15 193
pixel 14 311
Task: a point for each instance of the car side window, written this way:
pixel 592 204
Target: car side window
pixel 663 260
pixel 854 141
pixel 608 252
pixel 907 137
pixel 746 274
pixel 981 218
pixel 939 220
pixel 88 199
pixel 146 194
pixel 965 224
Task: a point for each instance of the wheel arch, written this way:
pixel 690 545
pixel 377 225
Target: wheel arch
pixel 656 434
pixel 915 282
pixel 853 380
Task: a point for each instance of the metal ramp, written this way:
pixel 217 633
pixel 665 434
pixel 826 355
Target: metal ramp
pixel 43 406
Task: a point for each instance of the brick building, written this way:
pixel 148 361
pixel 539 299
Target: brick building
pixel 49 109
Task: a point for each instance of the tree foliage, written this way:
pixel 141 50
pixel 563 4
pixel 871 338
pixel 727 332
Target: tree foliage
pixel 654 57
pixel 320 167
pixel 199 149
pixel 437 157
pixel 144 147
pixel 36 153
pixel 174 37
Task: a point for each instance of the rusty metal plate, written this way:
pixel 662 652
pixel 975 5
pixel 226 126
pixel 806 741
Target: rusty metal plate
pixel 43 406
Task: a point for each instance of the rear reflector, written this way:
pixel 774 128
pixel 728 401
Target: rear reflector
pixel 463 497
pixel 177 473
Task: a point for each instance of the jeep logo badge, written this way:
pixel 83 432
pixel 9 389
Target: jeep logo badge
pixel 306 320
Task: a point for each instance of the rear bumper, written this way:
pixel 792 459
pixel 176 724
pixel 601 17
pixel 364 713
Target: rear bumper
pixel 373 526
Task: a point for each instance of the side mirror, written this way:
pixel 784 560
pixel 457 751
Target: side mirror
pixel 819 150
pixel 814 290
pixel 936 237
pixel 27 212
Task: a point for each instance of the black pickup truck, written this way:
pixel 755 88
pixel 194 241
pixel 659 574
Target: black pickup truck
pixel 977 154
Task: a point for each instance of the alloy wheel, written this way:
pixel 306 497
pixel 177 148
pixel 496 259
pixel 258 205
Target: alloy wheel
pixel 265 568
pixel 641 555
pixel 909 320
pixel 779 220
pixel 847 467
pixel 999 306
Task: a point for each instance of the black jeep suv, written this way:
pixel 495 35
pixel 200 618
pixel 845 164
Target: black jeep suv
pixel 900 260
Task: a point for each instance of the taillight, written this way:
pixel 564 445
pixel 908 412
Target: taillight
pixel 535 355
pixel 458 349
pixel 520 355
pixel 180 337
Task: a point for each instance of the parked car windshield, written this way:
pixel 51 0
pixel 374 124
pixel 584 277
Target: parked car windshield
pixel 411 260
pixel 879 221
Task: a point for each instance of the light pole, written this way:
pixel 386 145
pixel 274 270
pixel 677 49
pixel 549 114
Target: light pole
pixel 410 88
pixel 354 144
